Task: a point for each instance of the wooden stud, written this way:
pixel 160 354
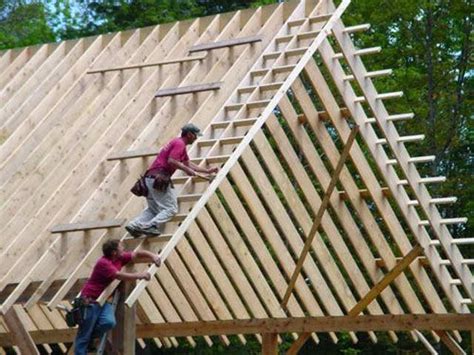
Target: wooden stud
pixel 388 278
pixel 124 333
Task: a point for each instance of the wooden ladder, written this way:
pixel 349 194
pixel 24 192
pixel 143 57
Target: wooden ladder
pixel 244 113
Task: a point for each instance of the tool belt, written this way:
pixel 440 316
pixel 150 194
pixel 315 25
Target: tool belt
pixel 162 179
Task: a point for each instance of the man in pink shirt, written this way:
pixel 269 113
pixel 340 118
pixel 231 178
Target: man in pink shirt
pixel 162 199
pixel 98 319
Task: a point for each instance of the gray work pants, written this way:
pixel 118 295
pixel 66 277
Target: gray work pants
pixel 162 206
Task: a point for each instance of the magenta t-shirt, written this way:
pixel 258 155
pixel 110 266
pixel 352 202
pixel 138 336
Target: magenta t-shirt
pixel 176 149
pixel 103 274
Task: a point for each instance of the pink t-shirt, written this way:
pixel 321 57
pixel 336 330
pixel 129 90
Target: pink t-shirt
pixel 176 149
pixel 103 274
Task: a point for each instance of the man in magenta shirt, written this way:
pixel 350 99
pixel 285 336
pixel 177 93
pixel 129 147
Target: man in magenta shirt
pixel 100 319
pixel 162 200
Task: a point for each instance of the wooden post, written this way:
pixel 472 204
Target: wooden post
pixel 298 344
pixel 18 331
pixel 269 344
pixel 124 333
pixel 319 215
pixel 386 280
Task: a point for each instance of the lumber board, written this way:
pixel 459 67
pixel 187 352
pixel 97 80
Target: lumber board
pixel 225 43
pixel 18 332
pixel 420 322
pixel 190 89
pixel 85 226
pixel 146 65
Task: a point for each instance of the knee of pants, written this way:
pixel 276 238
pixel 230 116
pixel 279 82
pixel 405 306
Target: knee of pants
pixel 108 325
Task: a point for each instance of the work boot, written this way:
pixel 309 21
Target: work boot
pixel 133 230
pixel 150 230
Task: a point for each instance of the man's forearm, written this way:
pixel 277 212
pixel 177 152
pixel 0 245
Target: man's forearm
pixel 188 170
pixel 130 276
pixel 145 254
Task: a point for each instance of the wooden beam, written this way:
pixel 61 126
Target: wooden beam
pixel 361 323
pixel 324 115
pixel 19 335
pixel 225 43
pixel 139 153
pixel 84 226
pixel 298 344
pixel 386 280
pixel 319 215
pixel 452 344
pixel 191 89
pixel 269 344
pixel 364 193
pixel 379 262
pixel 145 65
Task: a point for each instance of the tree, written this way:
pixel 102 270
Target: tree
pixel 22 24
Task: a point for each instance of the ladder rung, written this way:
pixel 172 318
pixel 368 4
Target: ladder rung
pixel 381 141
pixel 257 104
pixel 356 28
pixel 271 55
pixel 179 217
pixel 217 159
pixel 285 38
pixel 235 123
pixel 222 141
pixel 443 200
pixel 371 120
pixel 414 138
pixel 181 179
pixel 262 87
pixel 320 18
pixel 297 22
pixel 466 301
pixel 445 262
pixel 295 51
pixel 467 261
pixel 162 238
pixel 259 72
pixel 402 116
pixel 307 35
pixel 233 107
pixel 413 203
pixel 283 68
pixel 189 197
pixel 455 282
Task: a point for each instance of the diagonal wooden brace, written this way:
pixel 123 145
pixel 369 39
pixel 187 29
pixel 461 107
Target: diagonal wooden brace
pixel 20 335
pixel 319 215
pixel 386 280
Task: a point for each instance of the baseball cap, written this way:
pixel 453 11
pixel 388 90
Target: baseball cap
pixel 191 128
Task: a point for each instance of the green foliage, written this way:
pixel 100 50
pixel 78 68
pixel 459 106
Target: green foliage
pixel 22 24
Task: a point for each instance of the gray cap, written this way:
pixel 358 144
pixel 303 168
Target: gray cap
pixel 191 128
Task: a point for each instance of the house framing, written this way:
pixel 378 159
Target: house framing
pixel 318 220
